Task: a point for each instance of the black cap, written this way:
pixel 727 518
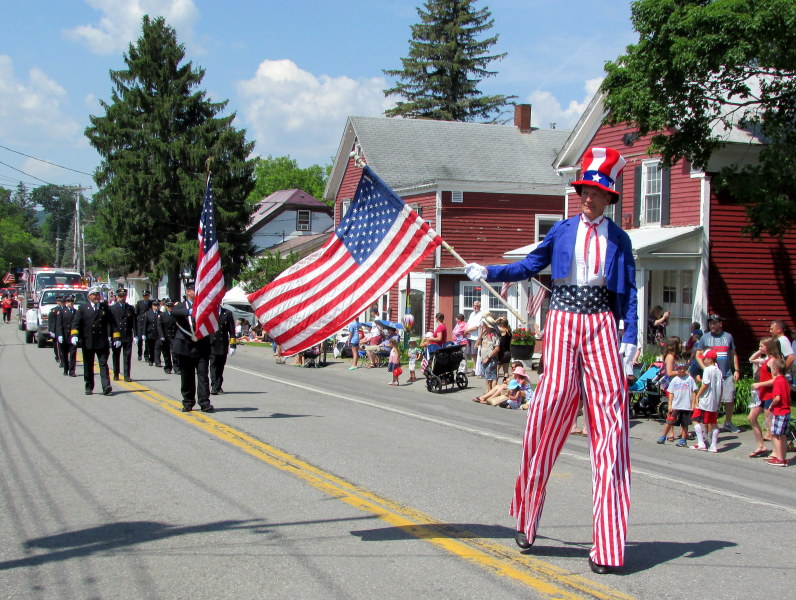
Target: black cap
pixel 57 298
pixel 155 301
pixel 190 285
pixel 146 293
pixel 70 298
pixel 121 292
pixel 714 317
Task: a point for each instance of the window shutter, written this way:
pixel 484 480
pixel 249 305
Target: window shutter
pixel 665 176
pixel 618 206
pixel 637 197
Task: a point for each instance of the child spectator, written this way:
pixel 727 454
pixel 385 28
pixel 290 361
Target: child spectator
pixel 763 387
pixel 682 397
pixel 780 415
pixel 706 403
pixel 413 354
pixel 519 392
pixel 394 363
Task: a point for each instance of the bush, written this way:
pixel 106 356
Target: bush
pixel 743 388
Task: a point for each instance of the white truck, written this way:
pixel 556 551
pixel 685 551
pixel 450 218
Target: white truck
pixel 36 327
pixel 38 279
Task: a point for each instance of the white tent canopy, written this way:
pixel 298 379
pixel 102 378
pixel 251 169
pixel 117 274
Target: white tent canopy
pixel 236 295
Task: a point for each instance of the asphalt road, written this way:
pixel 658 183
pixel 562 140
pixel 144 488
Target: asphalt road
pixel 326 483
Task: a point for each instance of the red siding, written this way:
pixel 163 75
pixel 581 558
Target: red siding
pixel 684 192
pixel 751 282
pixel 485 226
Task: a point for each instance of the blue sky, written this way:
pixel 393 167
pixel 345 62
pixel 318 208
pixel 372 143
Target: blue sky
pixel 292 71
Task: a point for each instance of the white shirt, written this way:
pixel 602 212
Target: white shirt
pixel 581 272
pixel 474 321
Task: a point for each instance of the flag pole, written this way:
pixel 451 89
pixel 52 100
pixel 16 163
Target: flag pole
pixel 483 282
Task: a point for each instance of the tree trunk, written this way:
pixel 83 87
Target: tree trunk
pixel 175 285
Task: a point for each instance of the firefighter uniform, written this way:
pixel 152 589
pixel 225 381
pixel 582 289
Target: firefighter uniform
pixel 151 333
pixel 223 343
pixel 127 323
pixel 52 318
pixel 166 329
pixel 194 357
pixel 141 309
pixel 63 331
pixel 92 326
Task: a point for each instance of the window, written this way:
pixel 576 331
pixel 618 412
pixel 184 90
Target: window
pixel 344 206
pixel 610 212
pixel 470 292
pixel 544 223
pixel 457 196
pixel 651 193
pixel 303 220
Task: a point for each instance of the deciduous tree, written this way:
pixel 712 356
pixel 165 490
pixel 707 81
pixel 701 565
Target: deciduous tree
pixel 701 66
pixel 283 173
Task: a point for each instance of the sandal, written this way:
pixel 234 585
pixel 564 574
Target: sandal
pixel 758 453
pixel 477 399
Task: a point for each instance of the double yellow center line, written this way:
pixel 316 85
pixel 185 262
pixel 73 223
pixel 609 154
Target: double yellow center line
pixel 545 579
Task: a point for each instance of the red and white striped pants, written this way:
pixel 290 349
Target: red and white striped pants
pixel 581 358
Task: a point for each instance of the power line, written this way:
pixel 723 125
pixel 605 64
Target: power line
pixel 28 174
pixel 45 161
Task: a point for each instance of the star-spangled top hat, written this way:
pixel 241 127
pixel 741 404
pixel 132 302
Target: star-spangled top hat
pixel 601 168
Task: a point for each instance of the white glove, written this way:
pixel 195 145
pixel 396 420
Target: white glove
pixel 60 339
pixel 627 351
pixel 52 335
pixel 231 351
pixel 475 271
pixel 73 341
pixel 117 344
pixel 135 339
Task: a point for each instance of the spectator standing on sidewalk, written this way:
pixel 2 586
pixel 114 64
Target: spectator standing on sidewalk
pixel 727 362
pixel 473 329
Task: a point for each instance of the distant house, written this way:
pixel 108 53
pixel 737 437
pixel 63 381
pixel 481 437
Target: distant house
pixel 691 258
pixel 484 188
pixel 288 215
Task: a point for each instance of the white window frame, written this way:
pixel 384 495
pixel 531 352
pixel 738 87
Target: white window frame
pixel 648 192
pixel 301 226
pixel 547 219
pixel 457 196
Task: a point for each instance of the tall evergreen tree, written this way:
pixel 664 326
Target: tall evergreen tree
pixel 157 133
pixel 446 62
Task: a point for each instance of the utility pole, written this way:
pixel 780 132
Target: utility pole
pixel 57 252
pixel 78 248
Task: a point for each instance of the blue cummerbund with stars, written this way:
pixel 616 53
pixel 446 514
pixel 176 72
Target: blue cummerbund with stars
pixel 582 299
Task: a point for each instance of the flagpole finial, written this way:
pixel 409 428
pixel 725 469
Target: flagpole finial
pixel 359 158
pixel 207 165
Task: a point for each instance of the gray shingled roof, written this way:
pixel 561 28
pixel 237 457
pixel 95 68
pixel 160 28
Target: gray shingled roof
pixel 411 152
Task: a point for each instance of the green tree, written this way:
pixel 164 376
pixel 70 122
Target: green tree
pixel 446 62
pixel 58 204
pixel 283 173
pixel 264 269
pixel 155 137
pixel 702 65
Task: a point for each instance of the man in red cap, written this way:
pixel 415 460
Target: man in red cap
pixel 594 286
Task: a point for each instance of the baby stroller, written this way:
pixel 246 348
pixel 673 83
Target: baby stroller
pixel 442 369
pixel 646 394
pixel 312 356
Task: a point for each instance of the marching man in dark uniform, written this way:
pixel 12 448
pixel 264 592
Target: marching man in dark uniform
pixel 151 332
pixel 126 321
pixel 63 332
pixel 194 356
pixel 92 327
pixel 223 344
pixel 52 318
pixel 166 328
pixel 141 309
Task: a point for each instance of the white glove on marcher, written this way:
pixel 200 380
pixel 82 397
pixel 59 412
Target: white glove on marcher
pixel 475 271
pixel 52 335
pixel 135 339
pixel 232 351
pixel 627 352
pixel 117 344
pixel 73 341
pixel 60 339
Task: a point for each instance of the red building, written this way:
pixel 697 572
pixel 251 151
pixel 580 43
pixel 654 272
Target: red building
pixel 691 257
pixel 484 188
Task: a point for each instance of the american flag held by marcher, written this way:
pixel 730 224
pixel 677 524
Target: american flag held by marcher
pixel 377 242
pixel 209 278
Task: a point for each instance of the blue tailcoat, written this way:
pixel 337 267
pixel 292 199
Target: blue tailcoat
pixel 556 250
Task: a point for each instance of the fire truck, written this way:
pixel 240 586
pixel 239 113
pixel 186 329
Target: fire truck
pixel 38 279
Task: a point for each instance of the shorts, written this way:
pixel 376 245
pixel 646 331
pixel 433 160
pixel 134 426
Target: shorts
pixel 412 364
pixel 679 417
pixel 490 370
pixel 779 424
pixel 767 404
pixel 728 389
pixel 706 417
pixel 472 349
pixel 391 367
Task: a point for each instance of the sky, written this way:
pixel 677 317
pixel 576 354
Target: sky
pixel 292 72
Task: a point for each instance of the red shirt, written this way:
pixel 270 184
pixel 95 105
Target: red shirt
pixel 441 332
pixel 781 389
pixel 767 392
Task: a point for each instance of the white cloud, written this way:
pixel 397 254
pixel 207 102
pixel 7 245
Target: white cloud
pixel 291 111
pixel 33 109
pixel 547 108
pixel 120 23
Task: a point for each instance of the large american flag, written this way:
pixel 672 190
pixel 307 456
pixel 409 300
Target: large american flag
pixel 377 242
pixel 209 278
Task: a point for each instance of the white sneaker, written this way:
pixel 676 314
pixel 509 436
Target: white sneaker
pixel 713 448
pixel 731 428
pixel 698 447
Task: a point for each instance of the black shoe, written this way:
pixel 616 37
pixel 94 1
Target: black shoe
pixel 176 372
pixel 65 373
pixel 167 371
pixel 158 366
pixel 116 378
pixel 72 374
pixel 522 540
pixel 220 391
pixel 107 391
pixel 128 379
pixel 213 393
pixel 151 364
pixel 89 392
pixel 187 409
pixel 139 358
pixel 209 408
pixel 600 569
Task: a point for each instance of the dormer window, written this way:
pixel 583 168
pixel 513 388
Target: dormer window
pixel 303 220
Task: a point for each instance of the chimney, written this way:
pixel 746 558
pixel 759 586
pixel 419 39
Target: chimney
pixel 522 117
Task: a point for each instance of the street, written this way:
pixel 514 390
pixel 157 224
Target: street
pixel 328 483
